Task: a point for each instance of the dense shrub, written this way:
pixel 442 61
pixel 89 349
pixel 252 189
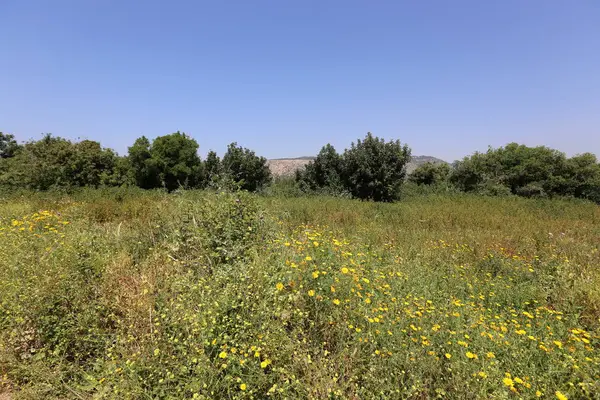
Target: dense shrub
pixel 529 171
pixel 212 166
pixel 371 169
pixel 430 174
pixel 375 169
pixel 324 173
pixel 171 161
pixel 8 145
pixel 57 162
pixel 245 168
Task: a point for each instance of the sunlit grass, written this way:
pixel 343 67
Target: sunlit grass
pixel 199 295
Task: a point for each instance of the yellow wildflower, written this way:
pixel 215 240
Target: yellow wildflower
pixel 279 286
pixel 560 396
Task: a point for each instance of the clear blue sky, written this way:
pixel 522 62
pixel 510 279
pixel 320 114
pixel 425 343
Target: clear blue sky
pixel 286 77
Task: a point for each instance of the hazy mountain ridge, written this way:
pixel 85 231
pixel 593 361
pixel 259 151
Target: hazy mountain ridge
pixel 287 166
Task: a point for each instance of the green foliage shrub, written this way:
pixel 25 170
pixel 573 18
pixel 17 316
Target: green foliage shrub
pixel 375 169
pixel 244 167
pixel 529 171
pixel 8 145
pixel 170 161
pixel 57 162
pixel 371 169
pixel 430 174
pixel 227 226
pixel 323 174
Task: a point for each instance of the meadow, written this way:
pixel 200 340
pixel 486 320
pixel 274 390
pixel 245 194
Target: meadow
pixel 132 294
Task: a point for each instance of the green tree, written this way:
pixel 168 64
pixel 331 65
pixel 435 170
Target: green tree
pixel 91 165
pixel 529 171
pixel 8 145
pixel 144 168
pixel 212 166
pixel 41 164
pixel 176 158
pixel 581 177
pixel 324 173
pixel 430 173
pixel 374 169
pixel 57 162
pixel 244 167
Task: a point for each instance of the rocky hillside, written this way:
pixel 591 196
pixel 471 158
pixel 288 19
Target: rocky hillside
pixel 287 166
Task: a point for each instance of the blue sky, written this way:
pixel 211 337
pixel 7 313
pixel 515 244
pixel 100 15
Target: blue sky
pixel 286 77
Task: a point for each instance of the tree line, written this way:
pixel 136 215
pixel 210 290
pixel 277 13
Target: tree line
pixel 370 169
pixel 518 170
pixel 170 162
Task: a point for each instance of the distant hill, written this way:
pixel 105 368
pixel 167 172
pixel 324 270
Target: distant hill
pixel 287 166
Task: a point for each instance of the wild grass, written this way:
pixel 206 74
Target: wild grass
pixel 134 295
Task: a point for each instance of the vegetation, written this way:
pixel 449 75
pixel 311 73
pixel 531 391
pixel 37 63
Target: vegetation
pixel 370 170
pixel 124 293
pixel 53 161
pixel 243 166
pixel 430 174
pixel 170 162
pixel 8 145
pixel 529 171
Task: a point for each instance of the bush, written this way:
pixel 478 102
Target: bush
pixel 370 170
pixel 430 174
pixel 8 145
pixel 324 173
pixel 171 161
pixel 491 188
pixel 531 190
pixel 529 171
pixel 244 167
pixel 57 162
pixel 212 166
pixel 374 169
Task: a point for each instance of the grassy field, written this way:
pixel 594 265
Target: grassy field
pixel 196 295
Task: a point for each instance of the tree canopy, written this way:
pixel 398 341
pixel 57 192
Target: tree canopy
pixel 371 169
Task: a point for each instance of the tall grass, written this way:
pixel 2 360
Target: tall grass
pixel 132 294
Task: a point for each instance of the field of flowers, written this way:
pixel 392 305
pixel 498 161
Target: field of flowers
pixel 196 295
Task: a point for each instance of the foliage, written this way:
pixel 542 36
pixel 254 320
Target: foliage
pixel 529 171
pixel 170 161
pixel 430 174
pixel 144 168
pixel 374 169
pixel 323 174
pixel 220 229
pixel 244 167
pixel 370 170
pixel 57 162
pixel 125 293
pixel 212 166
pixel 8 145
